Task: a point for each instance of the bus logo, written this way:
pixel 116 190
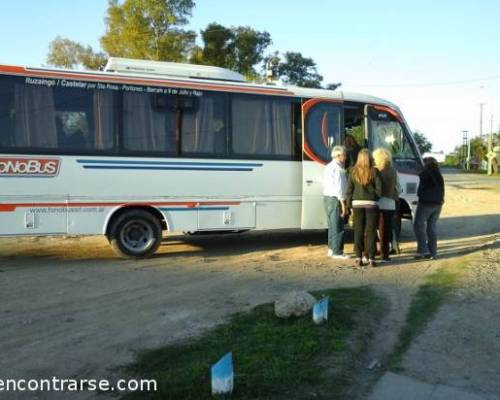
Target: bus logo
pixel 32 166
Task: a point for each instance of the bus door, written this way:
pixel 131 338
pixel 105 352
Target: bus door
pixel 321 127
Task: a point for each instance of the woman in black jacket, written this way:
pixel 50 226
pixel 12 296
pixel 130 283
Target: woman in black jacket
pixel 430 201
pixel 363 190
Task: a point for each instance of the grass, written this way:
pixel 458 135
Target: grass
pixel 273 358
pixel 426 302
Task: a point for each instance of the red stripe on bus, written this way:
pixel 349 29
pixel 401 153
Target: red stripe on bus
pixel 12 207
pixel 140 81
pixel 12 69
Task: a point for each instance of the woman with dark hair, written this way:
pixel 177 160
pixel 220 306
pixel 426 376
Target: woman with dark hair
pixel 363 190
pixel 430 201
pixel 352 150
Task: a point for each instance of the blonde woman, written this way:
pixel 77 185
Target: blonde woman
pixel 387 202
pixel 363 191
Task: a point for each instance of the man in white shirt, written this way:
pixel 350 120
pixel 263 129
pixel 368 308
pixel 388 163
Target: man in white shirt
pixel 334 192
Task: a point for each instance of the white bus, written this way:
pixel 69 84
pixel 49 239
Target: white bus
pixel 145 147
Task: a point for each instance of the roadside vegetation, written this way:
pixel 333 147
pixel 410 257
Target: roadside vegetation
pixel 273 358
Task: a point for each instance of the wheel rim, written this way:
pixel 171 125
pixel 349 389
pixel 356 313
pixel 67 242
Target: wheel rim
pixel 137 236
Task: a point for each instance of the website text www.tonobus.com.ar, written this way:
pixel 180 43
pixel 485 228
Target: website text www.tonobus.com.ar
pixel 55 384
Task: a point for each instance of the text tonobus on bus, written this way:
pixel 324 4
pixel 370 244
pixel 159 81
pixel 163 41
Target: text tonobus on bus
pixel 145 147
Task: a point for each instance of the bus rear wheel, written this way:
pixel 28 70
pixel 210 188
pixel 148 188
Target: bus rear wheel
pixel 135 234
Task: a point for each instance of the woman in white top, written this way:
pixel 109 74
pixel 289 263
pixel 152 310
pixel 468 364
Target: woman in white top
pixel 387 202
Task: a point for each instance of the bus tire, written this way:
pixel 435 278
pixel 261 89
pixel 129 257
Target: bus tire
pixel 135 234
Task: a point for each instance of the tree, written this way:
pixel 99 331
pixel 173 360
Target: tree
pixel 424 145
pixel 478 149
pixel 63 53
pixel 333 86
pixel 238 48
pixel 299 70
pixel 249 48
pixel 69 54
pixel 148 29
pixel 218 46
pixel 92 60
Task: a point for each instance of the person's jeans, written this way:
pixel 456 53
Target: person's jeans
pixel 333 210
pixel 385 231
pixel 424 226
pixel 365 231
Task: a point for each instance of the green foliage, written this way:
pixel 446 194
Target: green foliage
pixel 152 30
pixel 249 48
pixel 69 54
pixel 237 48
pixel 333 86
pixel 478 148
pixel 148 29
pixel 273 358
pixel 452 160
pixel 424 145
pixel 92 60
pixel 299 70
pixel 358 133
pixel 63 53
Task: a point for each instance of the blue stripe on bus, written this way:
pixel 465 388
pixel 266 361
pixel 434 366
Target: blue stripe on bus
pixel 201 164
pixel 195 209
pixel 165 168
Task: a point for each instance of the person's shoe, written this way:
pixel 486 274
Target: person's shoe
pixel 358 262
pixel 365 260
pixel 420 256
pixel 372 263
pixel 340 257
pixel 330 253
pixel 433 257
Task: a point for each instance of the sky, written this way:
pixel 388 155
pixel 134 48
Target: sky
pixel 437 60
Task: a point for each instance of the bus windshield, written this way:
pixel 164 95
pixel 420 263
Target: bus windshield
pixel 386 131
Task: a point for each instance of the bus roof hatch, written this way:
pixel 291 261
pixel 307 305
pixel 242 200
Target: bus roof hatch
pixel 162 68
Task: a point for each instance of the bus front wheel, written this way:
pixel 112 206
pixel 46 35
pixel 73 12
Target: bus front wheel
pixel 135 234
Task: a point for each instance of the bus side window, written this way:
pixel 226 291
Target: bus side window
pixel 261 127
pixel 148 127
pixel 72 130
pixel 204 125
pixel 84 119
pixel 7 112
pixel 297 130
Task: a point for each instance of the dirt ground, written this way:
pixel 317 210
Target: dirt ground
pixel 461 346
pixel 70 308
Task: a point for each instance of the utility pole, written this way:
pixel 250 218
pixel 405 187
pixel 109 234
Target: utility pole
pixel 468 154
pixel 490 148
pixel 465 150
pixel 481 119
